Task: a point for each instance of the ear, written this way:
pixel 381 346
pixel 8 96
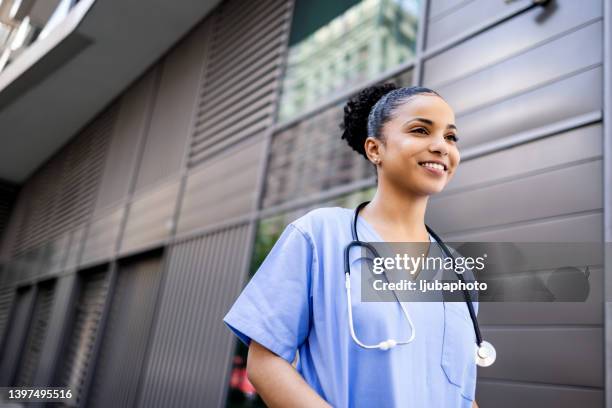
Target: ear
pixel 373 149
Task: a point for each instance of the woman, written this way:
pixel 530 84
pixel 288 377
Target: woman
pixel 297 301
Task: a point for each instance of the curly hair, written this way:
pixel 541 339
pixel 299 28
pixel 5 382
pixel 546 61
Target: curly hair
pixel 366 112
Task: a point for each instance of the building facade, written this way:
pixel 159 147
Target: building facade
pixel 122 252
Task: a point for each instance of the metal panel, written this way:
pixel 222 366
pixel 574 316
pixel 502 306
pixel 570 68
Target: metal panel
pixel 7 297
pixel 77 356
pixel 588 312
pixel 150 217
pixel 129 129
pixel 533 109
pixel 542 361
pixel 102 236
pixel 510 38
pixel 439 7
pixel 18 328
pixel 574 146
pixel 39 324
pixel 54 254
pixel 569 190
pixel 171 119
pixel 75 247
pixel 191 349
pixel 230 107
pixel 465 16
pixel 126 334
pixel 547 62
pixel 499 394
pixel 223 188
pixel 58 323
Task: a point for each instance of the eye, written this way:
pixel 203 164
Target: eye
pixel 452 137
pixel 420 130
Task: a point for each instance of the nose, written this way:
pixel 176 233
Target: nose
pixel 438 145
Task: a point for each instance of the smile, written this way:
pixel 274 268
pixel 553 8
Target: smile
pixel 433 165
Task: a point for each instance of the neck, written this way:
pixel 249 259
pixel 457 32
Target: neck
pixel 398 213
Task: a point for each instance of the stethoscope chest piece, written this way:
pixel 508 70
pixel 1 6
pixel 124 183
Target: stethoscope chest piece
pixel 485 354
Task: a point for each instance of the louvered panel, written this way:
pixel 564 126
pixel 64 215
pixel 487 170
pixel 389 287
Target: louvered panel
pixel 150 217
pixel 36 334
pixel 241 17
pixel 239 56
pixel 126 333
pixel 188 367
pixel 84 164
pixel 77 356
pixel 129 128
pixel 62 192
pixel 17 330
pixel 222 189
pixel 38 224
pixel 7 295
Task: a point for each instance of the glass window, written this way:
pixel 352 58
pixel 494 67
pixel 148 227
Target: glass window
pixel 339 44
pixel 310 156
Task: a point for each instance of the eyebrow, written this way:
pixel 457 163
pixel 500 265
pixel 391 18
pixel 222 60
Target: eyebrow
pixel 429 122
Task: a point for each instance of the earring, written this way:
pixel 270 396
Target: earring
pixel 376 161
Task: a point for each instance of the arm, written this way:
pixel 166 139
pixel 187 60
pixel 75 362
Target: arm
pixel 474 404
pixel 277 382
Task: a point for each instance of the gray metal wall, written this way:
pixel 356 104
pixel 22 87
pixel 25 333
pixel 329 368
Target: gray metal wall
pixel 189 158
pixel 532 84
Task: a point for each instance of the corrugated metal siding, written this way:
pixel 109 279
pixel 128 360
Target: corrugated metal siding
pixel 191 350
pixel 18 327
pixel 170 124
pixel 7 296
pixel 243 72
pixel 36 336
pixel 150 217
pixel 132 121
pixel 77 357
pixel 546 65
pixel 222 189
pixel 126 334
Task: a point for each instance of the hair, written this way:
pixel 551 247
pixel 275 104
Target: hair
pixel 366 112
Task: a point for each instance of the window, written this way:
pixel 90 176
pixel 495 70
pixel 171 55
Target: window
pixel 335 45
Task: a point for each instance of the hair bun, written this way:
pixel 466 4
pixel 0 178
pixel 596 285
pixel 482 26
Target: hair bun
pixel 356 112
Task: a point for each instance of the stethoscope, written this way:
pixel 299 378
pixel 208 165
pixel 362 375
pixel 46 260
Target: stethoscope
pixel 485 352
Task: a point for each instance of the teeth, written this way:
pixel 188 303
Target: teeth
pixel 433 165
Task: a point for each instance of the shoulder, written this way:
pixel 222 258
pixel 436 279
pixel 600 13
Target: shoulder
pixel 321 221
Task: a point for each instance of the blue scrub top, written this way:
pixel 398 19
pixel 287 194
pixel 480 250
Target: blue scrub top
pixel 297 301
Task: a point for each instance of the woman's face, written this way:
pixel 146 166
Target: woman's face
pixel 419 151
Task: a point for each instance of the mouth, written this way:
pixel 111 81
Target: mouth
pixel 434 165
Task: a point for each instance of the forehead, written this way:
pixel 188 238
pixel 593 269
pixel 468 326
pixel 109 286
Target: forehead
pixel 425 106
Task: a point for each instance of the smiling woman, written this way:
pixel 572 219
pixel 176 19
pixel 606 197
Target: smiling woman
pixel 297 301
